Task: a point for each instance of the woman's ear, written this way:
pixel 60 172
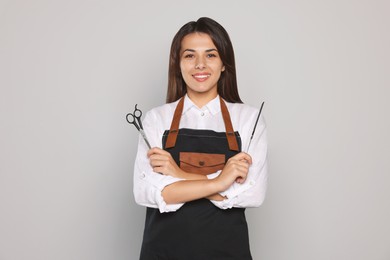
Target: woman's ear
pixel 223 68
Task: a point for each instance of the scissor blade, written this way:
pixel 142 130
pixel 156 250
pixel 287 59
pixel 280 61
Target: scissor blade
pixel 145 138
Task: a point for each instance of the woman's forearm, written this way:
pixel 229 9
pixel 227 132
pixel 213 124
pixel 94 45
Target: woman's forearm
pixel 193 176
pixel 189 190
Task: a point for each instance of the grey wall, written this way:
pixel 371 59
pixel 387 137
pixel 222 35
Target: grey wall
pixel 71 70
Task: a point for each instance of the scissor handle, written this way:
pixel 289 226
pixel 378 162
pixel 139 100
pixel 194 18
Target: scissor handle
pixel 132 120
pixel 137 111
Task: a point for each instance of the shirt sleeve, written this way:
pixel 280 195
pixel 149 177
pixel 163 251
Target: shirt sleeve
pixel 252 192
pixel 147 185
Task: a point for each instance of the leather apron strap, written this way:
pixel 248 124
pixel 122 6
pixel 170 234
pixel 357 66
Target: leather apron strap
pixel 231 137
pixel 174 130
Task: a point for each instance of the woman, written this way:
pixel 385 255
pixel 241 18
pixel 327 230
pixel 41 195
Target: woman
pixel 197 182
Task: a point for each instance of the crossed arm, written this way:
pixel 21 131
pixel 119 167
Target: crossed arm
pixel 195 186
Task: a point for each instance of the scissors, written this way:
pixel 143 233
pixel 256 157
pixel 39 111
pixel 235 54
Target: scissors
pixel 135 119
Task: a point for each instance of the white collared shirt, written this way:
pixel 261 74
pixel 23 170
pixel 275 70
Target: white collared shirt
pixel 148 184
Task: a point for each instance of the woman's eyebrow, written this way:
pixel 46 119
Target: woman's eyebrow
pixel 190 50
pixel 208 50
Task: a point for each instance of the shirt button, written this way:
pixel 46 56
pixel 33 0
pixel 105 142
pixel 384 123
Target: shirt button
pixel 252 183
pixel 142 176
pixel 202 114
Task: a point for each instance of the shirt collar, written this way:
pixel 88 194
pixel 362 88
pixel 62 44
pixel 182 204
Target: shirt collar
pixel 213 106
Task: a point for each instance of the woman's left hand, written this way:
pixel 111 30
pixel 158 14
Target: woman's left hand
pixel 162 162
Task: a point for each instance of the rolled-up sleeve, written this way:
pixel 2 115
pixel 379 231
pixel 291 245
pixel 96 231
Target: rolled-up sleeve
pixel 148 185
pixel 252 192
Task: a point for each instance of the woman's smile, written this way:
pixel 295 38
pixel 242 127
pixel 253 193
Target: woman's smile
pixel 201 77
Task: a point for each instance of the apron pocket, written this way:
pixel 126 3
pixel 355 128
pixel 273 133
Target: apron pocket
pixel 201 163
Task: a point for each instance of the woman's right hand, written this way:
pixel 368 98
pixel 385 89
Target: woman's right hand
pixel 163 163
pixel 235 170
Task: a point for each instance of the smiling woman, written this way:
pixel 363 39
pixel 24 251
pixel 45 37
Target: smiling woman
pixel 196 182
pixel 201 67
pixel 220 41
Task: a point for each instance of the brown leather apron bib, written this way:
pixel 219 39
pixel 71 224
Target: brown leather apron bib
pixel 198 230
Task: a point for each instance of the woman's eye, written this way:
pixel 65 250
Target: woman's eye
pixel 188 56
pixel 211 55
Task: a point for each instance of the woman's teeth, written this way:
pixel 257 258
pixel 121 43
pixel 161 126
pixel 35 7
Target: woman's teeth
pixel 201 76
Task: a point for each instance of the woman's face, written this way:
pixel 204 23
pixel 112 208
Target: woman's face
pixel 200 65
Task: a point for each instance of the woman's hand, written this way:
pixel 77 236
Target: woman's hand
pixel 162 162
pixel 235 170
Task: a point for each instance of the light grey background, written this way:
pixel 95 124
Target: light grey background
pixel 71 70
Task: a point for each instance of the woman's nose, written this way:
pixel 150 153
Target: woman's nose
pixel 200 63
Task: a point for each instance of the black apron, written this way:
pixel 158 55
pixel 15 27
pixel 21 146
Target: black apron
pixel 198 230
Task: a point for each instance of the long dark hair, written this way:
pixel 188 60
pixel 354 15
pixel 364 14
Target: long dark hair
pixel 227 83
